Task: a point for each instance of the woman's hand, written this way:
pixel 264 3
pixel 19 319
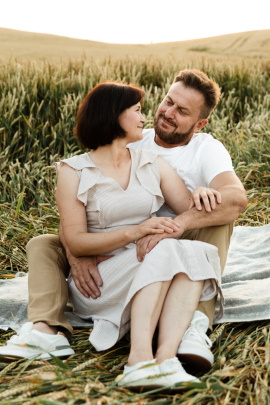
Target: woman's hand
pixel 206 196
pixel 148 242
pixel 155 225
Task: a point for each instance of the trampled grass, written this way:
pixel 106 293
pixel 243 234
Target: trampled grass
pixel 37 114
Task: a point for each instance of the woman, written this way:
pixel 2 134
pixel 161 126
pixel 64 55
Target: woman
pixel 107 200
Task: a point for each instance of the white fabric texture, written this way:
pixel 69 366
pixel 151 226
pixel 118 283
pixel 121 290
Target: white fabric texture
pixel 197 163
pixel 109 207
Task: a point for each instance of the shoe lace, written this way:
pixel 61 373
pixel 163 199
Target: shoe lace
pixel 195 330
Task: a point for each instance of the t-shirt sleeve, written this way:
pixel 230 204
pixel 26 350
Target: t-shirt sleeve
pixel 215 159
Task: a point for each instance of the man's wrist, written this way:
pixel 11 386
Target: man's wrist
pixel 184 221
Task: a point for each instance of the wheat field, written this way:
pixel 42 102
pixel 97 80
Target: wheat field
pixel 24 46
pixel 37 115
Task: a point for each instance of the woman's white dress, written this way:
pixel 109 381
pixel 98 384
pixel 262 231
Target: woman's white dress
pixel 109 207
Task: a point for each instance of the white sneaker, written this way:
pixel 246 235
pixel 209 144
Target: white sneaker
pixel 30 343
pixel 194 350
pixel 151 375
pixel 139 375
pixel 174 373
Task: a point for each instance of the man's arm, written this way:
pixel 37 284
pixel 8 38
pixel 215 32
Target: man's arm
pixel 233 202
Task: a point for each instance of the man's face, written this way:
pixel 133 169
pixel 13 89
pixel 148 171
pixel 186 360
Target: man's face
pixel 178 116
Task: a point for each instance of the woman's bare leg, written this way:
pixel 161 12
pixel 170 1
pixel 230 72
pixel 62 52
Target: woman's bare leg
pixel 173 304
pixel 179 306
pixel 146 308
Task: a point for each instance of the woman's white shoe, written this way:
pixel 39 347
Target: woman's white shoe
pixel 139 375
pixel 174 373
pixel 152 375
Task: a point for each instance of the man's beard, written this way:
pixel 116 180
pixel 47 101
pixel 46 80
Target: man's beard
pixel 172 137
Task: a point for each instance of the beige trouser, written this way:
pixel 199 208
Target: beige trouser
pixel 49 268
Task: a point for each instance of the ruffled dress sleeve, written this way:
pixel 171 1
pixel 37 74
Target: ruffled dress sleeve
pixel 87 172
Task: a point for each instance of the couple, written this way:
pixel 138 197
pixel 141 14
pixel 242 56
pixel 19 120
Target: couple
pixel 107 201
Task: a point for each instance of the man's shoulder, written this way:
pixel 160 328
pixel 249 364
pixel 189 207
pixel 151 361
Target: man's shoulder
pixel 202 137
pixel 204 140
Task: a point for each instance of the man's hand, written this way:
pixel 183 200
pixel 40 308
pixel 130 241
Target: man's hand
pixel 85 274
pixel 148 242
pixel 84 271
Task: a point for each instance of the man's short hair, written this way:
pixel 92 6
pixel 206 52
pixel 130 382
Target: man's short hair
pixel 98 114
pixel 198 80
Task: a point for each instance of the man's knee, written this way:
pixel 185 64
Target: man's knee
pixel 44 242
pixel 46 251
pixel 218 236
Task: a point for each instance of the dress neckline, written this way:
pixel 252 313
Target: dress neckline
pixel 113 179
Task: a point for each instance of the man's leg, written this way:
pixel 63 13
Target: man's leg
pixel 218 236
pixel 194 349
pixel 48 295
pixel 48 290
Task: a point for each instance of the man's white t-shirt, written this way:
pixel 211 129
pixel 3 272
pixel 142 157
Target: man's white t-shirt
pixel 197 163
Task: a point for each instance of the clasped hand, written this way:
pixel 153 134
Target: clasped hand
pixel 84 270
pixel 155 225
pixel 201 197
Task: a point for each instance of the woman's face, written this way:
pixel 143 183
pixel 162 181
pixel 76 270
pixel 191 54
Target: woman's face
pixel 132 120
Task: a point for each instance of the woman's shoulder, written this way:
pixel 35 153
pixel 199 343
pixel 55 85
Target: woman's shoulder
pixel 79 162
pixel 143 156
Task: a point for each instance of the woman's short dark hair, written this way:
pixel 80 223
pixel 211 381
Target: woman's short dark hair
pixel 98 114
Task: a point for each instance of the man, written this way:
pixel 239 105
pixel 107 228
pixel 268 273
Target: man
pixel 201 161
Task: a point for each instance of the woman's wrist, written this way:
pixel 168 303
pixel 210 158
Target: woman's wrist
pixel 132 234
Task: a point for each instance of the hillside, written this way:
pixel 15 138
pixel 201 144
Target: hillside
pixel 26 45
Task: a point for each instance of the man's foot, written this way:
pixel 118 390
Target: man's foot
pixel 30 343
pixel 151 375
pixel 194 350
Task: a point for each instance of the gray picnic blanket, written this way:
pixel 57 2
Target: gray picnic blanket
pixel 246 279
pixel 246 284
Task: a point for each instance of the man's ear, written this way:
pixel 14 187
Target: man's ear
pixel 201 123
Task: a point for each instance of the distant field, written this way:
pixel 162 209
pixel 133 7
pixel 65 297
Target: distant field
pixel 31 46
